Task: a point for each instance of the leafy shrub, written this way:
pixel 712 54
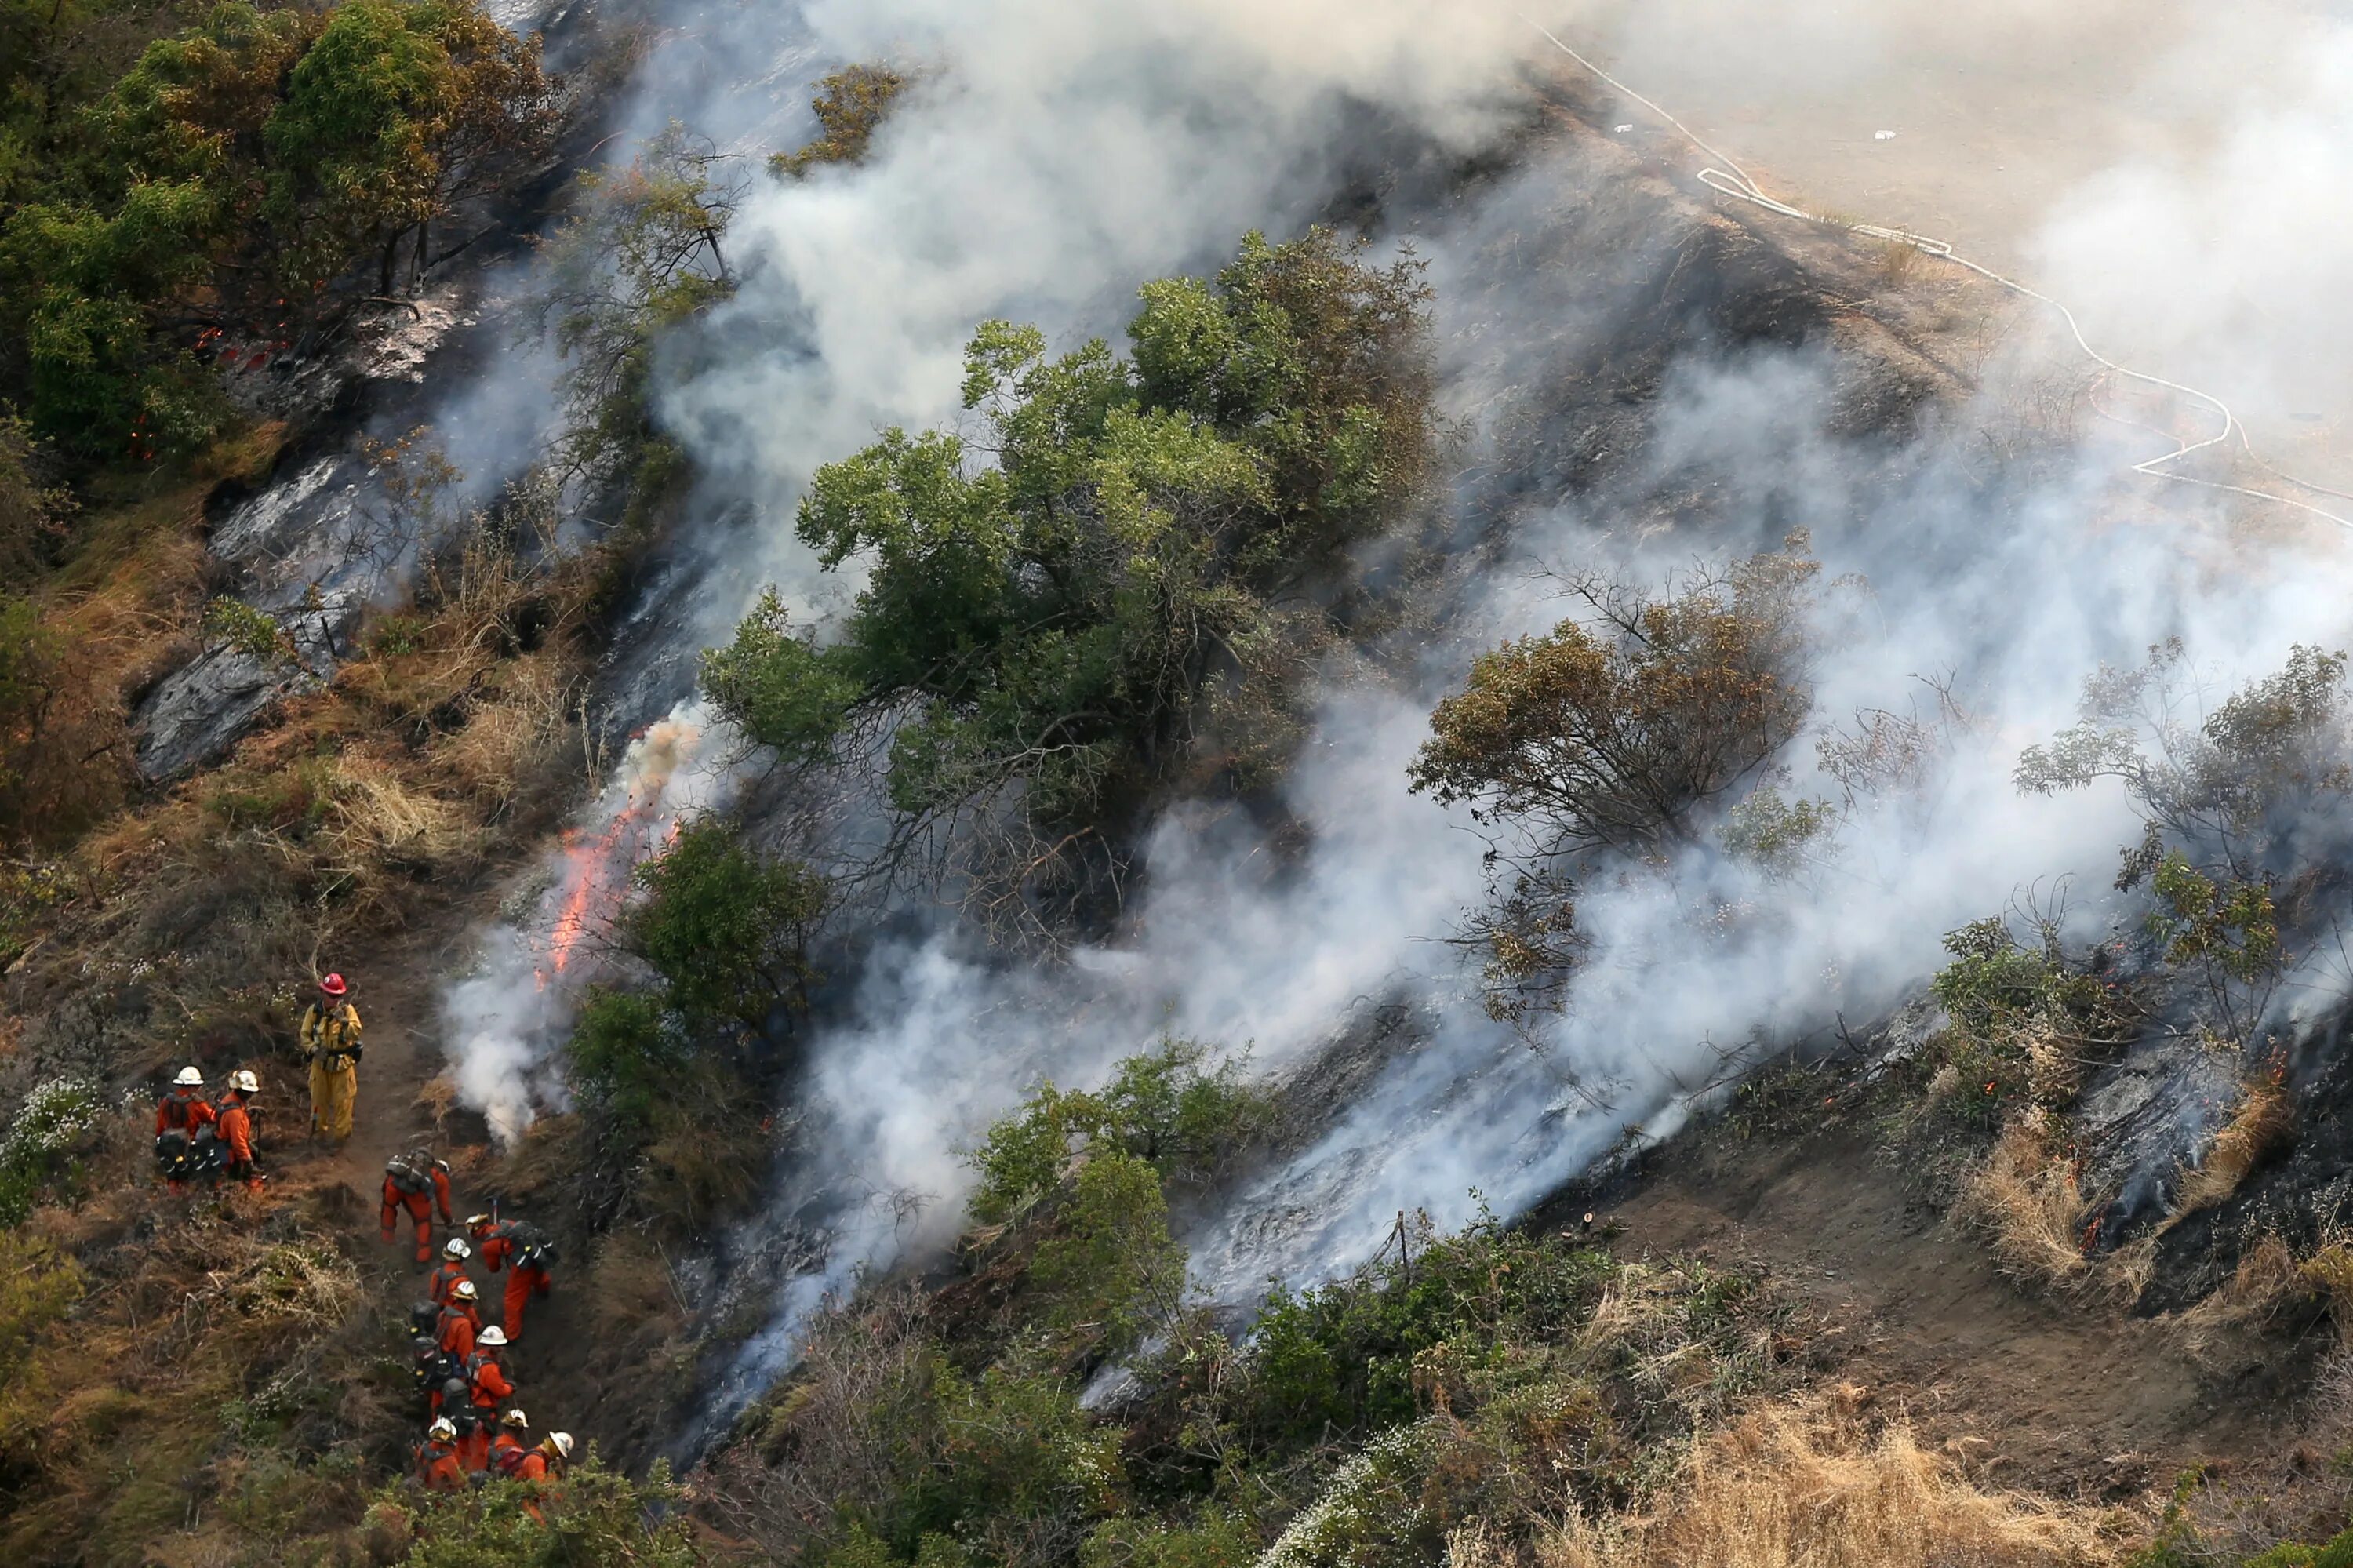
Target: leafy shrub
pixel 624 1054
pixel 852 103
pixel 1038 631
pixel 1108 1266
pixel 596 1518
pixel 33 1151
pixel 727 931
pixel 1159 1107
pixel 2022 1019
pixel 1622 730
pixel 1341 1359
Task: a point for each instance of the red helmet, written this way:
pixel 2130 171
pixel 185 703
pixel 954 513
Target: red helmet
pixel 333 985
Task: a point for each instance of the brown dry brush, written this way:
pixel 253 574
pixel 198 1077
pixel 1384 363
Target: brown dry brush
pixel 1812 1482
pixel 213 1390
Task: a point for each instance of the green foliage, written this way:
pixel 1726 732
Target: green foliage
pixel 1159 1108
pixel 1041 630
pixel 39 1285
pixel 1109 1268
pixel 1088 1173
pixel 1341 1359
pixel 2231 925
pixel 1213 1539
pixel 778 686
pixel 1777 836
pixel 727 931
pixel 640 252
pixel 34 1152
pixel 626 1055
pixel 852 103
pixel 1020 1465
pixel 594 1518
pixel 241 626
pixel 1994 976
pixel 225 179
pixel 2229 788
pixel 2022 1019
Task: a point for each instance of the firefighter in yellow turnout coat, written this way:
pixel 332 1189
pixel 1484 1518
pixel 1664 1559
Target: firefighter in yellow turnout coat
pixel 330 1044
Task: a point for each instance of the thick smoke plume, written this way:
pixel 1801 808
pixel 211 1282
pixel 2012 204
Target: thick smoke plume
pixel 1054 155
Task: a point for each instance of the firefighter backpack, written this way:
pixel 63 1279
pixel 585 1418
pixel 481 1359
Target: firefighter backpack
pixel 424 1318
pixel 173 1153
pixel 534 1248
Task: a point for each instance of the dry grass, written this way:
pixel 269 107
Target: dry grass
pixel 193 1309
pixel 2267 1279
pixel 1803 1486
pixel 2264 1123
pixel 2025 1201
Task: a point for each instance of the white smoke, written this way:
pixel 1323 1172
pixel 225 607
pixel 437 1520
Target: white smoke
pixel 1054 155
pixel 500 1021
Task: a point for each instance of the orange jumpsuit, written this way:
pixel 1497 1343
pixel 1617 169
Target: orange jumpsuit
pixel 533 1467
pixel 436 1290
pixel 456 1329
pixel 184 1108
pixel 237 1135
pixel 489 1382
pixel 523 1281
pixel 474 1448
pixel 421 1206
pixel 504 1445
pixel 439 1468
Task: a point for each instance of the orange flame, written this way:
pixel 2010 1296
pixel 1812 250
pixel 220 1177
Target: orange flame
pixel 599 871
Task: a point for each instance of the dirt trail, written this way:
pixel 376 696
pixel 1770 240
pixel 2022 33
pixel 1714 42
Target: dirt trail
pixel 2078 1399
pixel 396 988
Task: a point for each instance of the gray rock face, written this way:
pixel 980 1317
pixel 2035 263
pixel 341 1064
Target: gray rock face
pixel 313 549
pixel 201 709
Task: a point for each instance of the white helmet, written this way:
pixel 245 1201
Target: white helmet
pixel 493 1336
pixel 561 1442
pixel 244 1082
pixel 458 1249
pixel 476 1222
pixel 443 1428
pixel 464 1290
pixel 516 1418
pixel 190 1079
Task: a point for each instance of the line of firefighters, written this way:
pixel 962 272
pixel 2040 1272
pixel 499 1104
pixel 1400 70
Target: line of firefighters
pixel 460 1360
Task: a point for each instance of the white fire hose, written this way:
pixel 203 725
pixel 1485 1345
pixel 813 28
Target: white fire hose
pixel 1734 181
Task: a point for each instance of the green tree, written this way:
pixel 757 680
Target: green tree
pixel 400 111
pixel 852 103
pixel 727 931
pixel 1057 605
pixel 1621 730
pixel 227 180
pixel 640 253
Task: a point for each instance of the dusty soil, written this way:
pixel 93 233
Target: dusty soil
pixel 2078 1399
pixel 396 990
